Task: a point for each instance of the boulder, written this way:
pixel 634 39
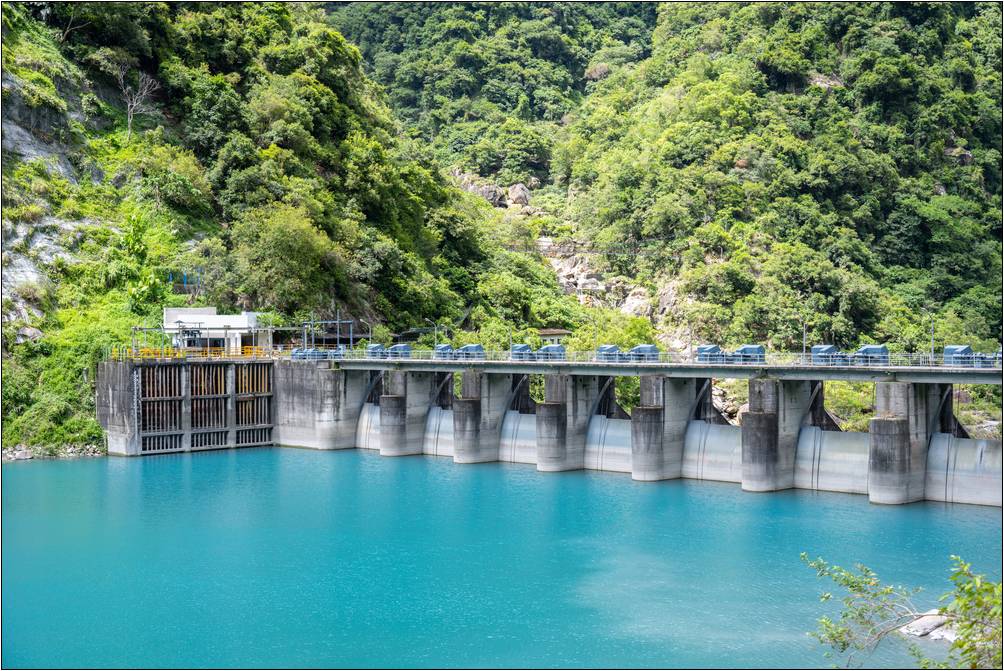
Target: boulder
pixel 944 633
pixel 961 155
pixel 925 624
pixel 519 194
pixel 26 333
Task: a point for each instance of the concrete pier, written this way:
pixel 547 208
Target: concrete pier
pixel 409 396
pixel 394 426
pixel 552 445
pixel 467 432
pixel 921 407
pixel 762 470
pixel 777 411
pixel 317 406
pixel 478 415
pixel 678 395
pixel 647 455
pixel 579 394
pixel 889 460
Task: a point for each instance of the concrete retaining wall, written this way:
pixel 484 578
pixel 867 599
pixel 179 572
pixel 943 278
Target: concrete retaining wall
pixel 962 470
pixel 713 452
pixel 832 461
pixel 608 445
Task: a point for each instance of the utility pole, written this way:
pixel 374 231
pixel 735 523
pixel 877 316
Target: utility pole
pixel 690 340
pixel 804 336
pixel 932 339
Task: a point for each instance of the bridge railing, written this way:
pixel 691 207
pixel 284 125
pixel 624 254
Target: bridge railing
pixel 770 359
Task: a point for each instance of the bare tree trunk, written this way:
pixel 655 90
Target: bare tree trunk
pixel 137 100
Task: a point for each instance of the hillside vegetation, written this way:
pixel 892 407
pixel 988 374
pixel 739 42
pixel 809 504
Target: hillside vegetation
pixel 749 169
pixel 837 164
pixel 489 84
pixel 264 164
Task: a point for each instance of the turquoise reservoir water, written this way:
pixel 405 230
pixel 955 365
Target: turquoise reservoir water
pixel 283 557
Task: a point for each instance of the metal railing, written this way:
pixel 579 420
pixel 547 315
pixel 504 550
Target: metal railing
pixel 770 359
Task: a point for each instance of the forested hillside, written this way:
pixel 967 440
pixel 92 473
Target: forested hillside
pixel 836 163
pixel 489 84
pixel 262 162
pixel 743 170
pixel 765 165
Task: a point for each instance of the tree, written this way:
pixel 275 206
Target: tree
pixel 281 259
pixel 136 87
pixel 873 612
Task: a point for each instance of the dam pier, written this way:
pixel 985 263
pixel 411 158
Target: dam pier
pixel 914 450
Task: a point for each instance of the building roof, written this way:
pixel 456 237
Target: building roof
pixel 553 332
pixel 206 318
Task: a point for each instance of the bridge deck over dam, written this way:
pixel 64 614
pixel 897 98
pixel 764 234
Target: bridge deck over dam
pixel 681 369
pixel 479 410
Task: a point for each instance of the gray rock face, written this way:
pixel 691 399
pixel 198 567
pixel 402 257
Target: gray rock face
pixel 519 194
pixel 26 333
pixel 493 193
pixel 28 132
pixel 637 303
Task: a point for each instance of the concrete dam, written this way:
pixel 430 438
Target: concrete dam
pixel 914 450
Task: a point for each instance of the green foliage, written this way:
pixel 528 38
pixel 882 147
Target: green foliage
pixel 873 611
pixel 276 174
pixel 30 55
pixel 974 607
pixel 488 84
pixel 798 164
pixel 264 240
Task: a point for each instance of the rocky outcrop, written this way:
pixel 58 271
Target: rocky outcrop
pixel 25 452
pixel 577 275
pixel 32 132
pixel 519 194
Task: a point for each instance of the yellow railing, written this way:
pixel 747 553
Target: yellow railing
pixel 147 353
pixel 245 352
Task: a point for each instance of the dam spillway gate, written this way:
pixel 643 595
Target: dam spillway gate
pixel 178 406
pixel 913 450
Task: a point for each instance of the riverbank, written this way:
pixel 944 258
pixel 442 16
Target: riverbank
pixel 24 452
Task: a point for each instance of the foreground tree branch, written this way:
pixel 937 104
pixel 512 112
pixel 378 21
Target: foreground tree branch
pixel 873 611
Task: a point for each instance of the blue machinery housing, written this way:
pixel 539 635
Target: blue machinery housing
pixel 957 356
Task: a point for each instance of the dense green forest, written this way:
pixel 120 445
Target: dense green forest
pixel 835 163
pixel 488 85
pixel 753 167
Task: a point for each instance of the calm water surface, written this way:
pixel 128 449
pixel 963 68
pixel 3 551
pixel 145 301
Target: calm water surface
pixel 283 557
